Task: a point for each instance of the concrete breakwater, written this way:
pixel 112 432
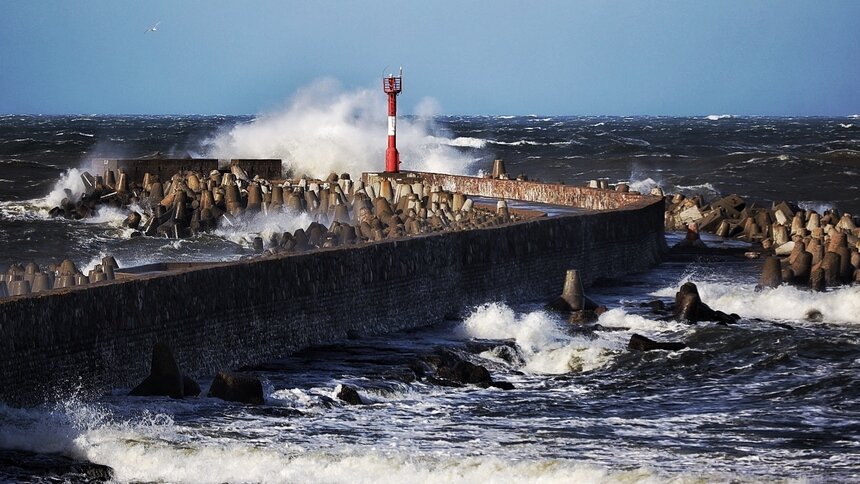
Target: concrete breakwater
pixel 226 315
pixel 808 249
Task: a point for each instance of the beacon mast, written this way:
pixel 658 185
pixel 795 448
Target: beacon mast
pixel 392 86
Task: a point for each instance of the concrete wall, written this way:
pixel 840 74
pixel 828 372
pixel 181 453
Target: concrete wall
pixel 232 314
pixel 163 168
pixel 552 193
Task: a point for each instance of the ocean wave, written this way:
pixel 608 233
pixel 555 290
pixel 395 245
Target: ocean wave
pixel 325 129
pixel 643 186
pixel 153 460
pixel 462 141
pixel 632 141
pixel 242 231
pixel 546 347
pixel 784 303
pixel 150 445
pixel 702 188
pixel 816 205
pixel 717 117
pixel 521 142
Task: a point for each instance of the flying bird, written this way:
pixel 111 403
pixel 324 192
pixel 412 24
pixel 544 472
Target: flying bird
pixel 153 28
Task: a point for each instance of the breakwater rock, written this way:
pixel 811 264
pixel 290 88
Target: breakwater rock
pixel 347 211
pixel 804 248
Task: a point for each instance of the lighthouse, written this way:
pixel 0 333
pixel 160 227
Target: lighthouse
pixel 392 86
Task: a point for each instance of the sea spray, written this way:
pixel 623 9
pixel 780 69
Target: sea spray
pixel 546 347
pixel 325 128
pixel 243 230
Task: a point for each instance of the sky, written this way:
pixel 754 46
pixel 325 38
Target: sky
pixel 602 57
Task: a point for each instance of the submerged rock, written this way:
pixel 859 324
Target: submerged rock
pixel 25 466
pixel 349 395
pixel 450 369
pixel 237 387
pixel 641 343
pixel 689 307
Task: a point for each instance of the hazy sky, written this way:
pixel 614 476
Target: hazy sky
pixel 473 57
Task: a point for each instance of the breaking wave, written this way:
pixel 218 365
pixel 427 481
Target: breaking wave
pixel 325 129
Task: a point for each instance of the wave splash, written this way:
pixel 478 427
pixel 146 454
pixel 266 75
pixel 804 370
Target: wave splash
pixel 325 129
pixel 784 303
pixel 546 348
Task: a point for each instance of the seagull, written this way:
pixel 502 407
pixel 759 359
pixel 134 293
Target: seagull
pixel 153 28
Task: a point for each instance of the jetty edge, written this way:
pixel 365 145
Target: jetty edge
pixel 94 338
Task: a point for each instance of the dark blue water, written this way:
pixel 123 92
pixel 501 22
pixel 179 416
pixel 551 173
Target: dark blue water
pixel 750 402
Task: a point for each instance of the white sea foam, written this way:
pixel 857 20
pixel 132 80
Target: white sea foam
pixel 325 128
pixel 217 462
pixel 39 207
pixel 784 303
pixel 461 141
pixel 817 206
pixel 522 142
pixel 152 447
pixel 242 231
pixel 619 318
pixel 70 180
pixel 547 349
pixel 643 186
pixel 703 188
pixel 717 117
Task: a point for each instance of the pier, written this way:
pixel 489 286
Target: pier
pixel 229 314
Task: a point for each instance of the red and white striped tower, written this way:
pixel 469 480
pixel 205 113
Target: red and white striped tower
pixel 392 86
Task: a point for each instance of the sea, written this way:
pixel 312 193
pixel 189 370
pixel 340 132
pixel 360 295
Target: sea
pixel 773 398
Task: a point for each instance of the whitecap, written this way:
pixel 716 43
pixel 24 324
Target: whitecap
pixel 546 348
pixel 785 303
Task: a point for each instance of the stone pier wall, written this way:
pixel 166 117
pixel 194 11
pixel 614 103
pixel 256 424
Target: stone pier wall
pixel 231 314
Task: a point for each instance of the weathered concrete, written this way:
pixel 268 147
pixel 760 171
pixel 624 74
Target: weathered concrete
pixel 231 314
pixel 551 193
pixel 161 168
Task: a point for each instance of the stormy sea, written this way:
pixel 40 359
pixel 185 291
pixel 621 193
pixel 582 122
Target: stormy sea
pixel 775 397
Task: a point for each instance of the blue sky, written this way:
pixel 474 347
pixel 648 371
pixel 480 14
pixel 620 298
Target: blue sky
pixel 473 57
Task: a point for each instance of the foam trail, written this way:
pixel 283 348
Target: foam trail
pixel 325 129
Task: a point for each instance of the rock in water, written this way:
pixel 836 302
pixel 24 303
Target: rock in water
pixel 453 370
pixel 687 303
pixel 164 377
pixel 771 275
pixel 465 372
pixel 349 395
pixel 237 387
pixel 641 343
pixel 190 388
pixel 26 466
